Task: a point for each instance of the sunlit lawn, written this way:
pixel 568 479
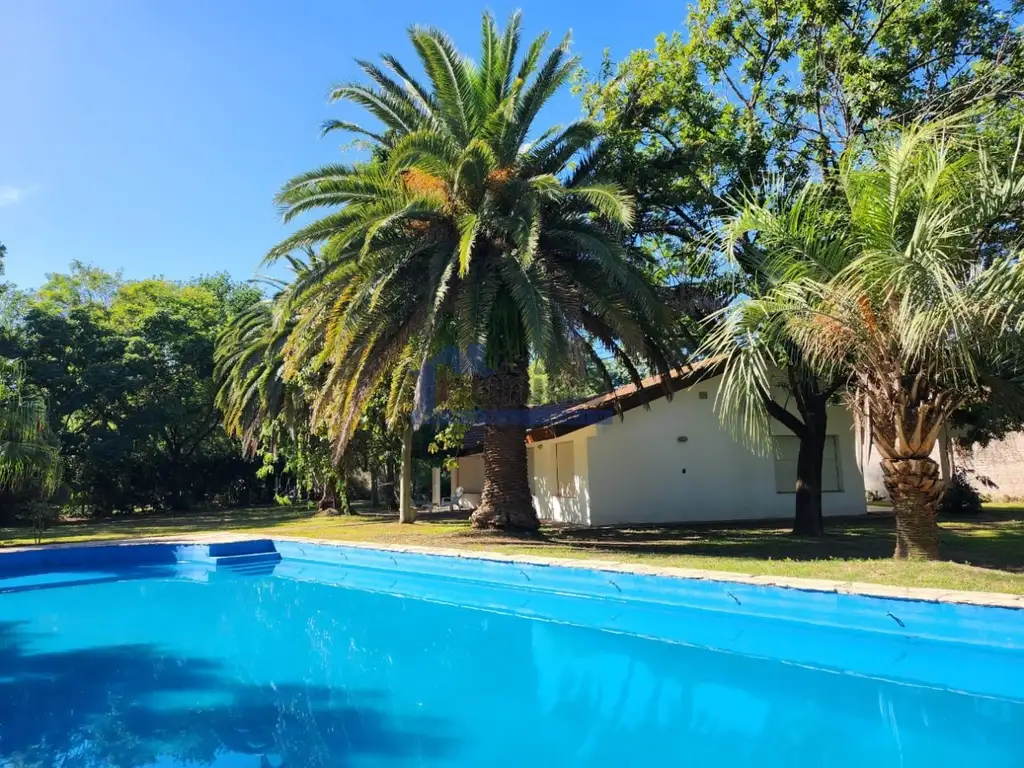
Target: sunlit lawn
pixel 983 554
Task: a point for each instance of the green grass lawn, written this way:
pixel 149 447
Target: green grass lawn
pixel 982 554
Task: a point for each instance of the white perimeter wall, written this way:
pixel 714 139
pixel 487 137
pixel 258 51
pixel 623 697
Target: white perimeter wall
pixel 635 467
pixel 995 470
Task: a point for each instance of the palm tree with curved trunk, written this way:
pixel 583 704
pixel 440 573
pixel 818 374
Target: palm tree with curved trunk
pixel 898 275
pixel 259 406
pixel 468 228
pixel 265 379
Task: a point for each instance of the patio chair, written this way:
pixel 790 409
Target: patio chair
pixel 455 502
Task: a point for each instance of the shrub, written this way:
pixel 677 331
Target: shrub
pixel 960 497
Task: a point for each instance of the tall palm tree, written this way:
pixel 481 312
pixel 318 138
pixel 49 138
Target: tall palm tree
pixel 256 401
pixel 29 455
pixel 467 227
pixel 265 376
pixel 925 290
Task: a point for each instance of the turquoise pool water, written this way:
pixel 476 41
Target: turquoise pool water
pixel 411 661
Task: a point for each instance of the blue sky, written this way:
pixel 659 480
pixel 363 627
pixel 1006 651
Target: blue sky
pixel 151 136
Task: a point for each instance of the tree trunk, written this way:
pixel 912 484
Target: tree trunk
pixel 334 500
pixel 811 428
pixel 915 486
pixel 506 501
pixel 808 519
pixel 391 483
pixel 329 499
pixel 406 512
pixel 344 503
pixel 374 487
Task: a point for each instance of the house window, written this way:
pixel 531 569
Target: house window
pixel 565 469
pixel 786 449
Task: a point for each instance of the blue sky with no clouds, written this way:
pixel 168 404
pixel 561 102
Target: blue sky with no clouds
pixel 150 136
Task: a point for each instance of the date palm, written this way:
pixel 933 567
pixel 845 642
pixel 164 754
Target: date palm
pixel 467 227
pixel 255 400
pixel 898 274
pixel 265 378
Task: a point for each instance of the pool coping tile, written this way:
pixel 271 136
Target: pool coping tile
pixel 926 594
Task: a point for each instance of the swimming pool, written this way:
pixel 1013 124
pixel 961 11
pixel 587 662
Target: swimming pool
pixel 256 654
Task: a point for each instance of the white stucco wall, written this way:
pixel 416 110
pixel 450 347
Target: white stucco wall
pixel 636 467
pixel 549 503
pixel 469 475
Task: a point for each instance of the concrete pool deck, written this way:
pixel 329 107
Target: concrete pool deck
pixel 925 594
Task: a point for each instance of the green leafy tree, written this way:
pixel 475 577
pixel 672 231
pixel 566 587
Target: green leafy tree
pixel 469 228
pixel 909 313
pixel 764 96
pixel 561 386
pixel 82 286
pixel 126 368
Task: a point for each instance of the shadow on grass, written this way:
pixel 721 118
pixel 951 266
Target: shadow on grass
pixel 994 541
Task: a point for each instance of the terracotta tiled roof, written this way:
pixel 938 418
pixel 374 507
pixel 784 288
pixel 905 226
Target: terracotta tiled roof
pixel 548 421
pixel 653 387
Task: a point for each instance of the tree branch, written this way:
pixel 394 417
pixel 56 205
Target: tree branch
pixel 783 416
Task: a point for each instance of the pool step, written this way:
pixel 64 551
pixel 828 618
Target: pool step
pixel 233 561
pixel 247 555
pixel 250 556
pixel 264 568
pixel 244 547
pixel 244 570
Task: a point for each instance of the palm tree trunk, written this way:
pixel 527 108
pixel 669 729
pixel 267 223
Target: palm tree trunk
pixel 506 501
pixel 915 486
pixel 406 513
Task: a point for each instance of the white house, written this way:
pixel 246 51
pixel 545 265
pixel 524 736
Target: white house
pixel 669 463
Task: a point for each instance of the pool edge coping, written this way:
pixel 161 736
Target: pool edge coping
pixel 864 589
